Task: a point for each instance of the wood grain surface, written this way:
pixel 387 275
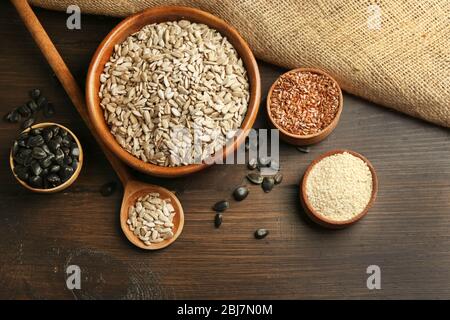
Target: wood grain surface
pixel 406 233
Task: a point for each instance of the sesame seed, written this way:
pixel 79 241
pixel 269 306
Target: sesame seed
pixel 339 186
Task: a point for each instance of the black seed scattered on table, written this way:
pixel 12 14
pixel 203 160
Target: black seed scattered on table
pixel 49 110
pixel 255 178
pixel 240 193
pixel 221 206
pixel 252 164
pixel 278 178
pixel 304 149
pixel 267 184
pixel 32 106
pixel 8 116
pixel 24 111
pixel 13 116
pixel 261 233
pixel 42 102
pixel 35 94
pixel 108 189
pixel 218 220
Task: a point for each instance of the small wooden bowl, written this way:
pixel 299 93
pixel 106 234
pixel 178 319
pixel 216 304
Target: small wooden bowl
pixel 135 23
pixel 303 140
pixel 63 185
pixel 322 220
pixel 135 193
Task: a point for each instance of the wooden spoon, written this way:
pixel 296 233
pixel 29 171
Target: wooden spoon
pixel 133 189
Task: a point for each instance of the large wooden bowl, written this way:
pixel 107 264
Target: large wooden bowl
pixel 137 22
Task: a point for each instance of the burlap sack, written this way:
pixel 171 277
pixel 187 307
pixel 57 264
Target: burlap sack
pixel 400 59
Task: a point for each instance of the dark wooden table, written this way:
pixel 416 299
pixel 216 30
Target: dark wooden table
pixel 407 233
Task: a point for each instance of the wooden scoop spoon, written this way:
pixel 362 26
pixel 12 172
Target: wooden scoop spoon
pixel 132 189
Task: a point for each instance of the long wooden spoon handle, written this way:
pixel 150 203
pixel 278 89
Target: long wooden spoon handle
pixel 66 78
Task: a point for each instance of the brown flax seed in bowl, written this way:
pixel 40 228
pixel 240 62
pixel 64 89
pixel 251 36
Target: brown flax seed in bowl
pixel 304 102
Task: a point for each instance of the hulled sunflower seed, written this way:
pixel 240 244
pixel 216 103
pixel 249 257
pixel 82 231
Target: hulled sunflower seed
pixel 147 216
pixel 174 92
pixel 255 178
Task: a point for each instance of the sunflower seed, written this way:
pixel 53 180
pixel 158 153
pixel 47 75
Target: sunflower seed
pixel 267 184
pixel 218 220
pixel 240 193
pixel 304 149
pixel 255 178
pixel 252 164
pixel 261 233
pixel 221 206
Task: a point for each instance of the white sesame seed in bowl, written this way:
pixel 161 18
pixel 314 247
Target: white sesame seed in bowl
pixel 338 188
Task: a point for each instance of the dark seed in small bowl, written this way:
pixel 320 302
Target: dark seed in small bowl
pixel 38 153
pixel 35 141
pixel 39 161
pixel 36 182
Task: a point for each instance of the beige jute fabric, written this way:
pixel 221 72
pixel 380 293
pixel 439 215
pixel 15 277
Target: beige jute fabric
pixel 404 64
